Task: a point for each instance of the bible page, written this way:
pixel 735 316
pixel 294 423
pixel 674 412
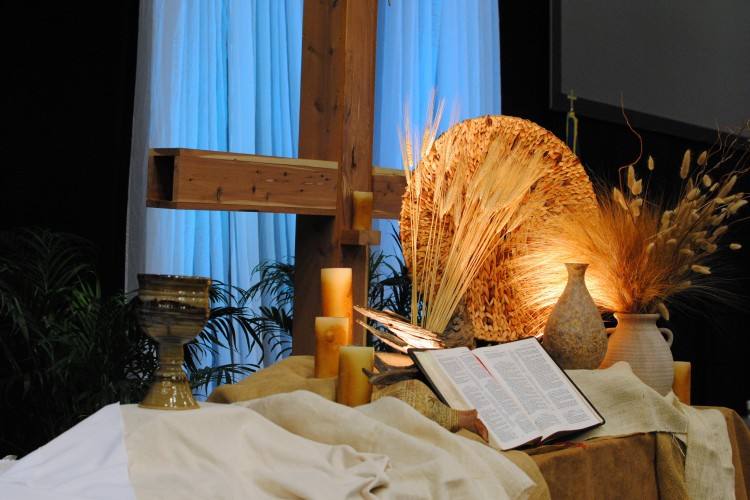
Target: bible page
pixel 554 403
pixel 500 412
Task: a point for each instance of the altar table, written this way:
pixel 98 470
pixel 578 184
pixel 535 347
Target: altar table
pixel 641 466
pixel 637 466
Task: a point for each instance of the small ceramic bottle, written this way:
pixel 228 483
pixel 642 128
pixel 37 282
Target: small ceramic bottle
pixel 574 334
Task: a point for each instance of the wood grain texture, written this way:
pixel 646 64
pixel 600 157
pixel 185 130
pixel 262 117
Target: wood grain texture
pixel 360 237
pixel 210 180
pixel 336 123
pixel 204 179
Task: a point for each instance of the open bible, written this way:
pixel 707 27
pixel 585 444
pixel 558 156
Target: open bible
pixel 520 393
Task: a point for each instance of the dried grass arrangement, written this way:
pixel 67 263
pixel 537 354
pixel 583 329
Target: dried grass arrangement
pixel 493 309
pixel 642 254
pixel 457 219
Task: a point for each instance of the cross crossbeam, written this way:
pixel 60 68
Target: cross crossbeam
pixel 213 180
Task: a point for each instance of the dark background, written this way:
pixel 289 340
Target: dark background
pixel 69 69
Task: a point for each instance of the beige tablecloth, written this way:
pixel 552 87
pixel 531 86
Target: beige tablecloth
pixel 647 460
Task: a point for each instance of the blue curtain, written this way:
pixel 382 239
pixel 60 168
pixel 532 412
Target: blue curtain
pixel 225 75
pixel 222 75
pixel 450 47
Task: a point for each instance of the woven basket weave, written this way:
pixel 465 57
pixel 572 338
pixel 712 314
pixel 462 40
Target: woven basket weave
pixel 495 309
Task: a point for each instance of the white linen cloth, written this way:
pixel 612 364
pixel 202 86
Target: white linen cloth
pixel 630 406
pixel 427 461
pixel 88 461
pixel 226 451
pixel 295 445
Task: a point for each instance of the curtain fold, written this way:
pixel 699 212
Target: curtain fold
pixel 450 47
pixel 225 75
pixel 221 75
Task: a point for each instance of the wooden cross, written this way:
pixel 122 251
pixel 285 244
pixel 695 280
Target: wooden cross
pixel 336 128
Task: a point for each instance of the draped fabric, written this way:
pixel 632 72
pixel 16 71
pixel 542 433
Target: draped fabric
pixel 225 75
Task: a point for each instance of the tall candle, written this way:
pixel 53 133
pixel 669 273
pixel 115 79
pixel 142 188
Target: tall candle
pixel 362 210
pixel 336 293
pixel 330 334
pixel 354 388
pixel 681 385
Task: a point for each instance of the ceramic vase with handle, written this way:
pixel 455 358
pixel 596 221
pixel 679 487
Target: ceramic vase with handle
pixel 645 346
pixel 574 334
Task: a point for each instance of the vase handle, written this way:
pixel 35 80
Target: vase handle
pixel 668 335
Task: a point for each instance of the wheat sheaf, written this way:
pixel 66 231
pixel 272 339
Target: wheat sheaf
pixel 474 196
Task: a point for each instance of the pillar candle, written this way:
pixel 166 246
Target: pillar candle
pixel 362 209
pixel 336 293
pixel 353 388
pixel 330 334
pixel 681 386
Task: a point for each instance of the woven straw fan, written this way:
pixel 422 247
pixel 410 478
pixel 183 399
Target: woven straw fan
pixel 493 306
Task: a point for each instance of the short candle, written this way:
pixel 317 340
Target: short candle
pixel 681 385
pixel 336 293
pixel 362 210
pixel 354 388
pixel 330 334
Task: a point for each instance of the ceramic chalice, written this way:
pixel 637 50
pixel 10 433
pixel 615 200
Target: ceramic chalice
pixel 172 310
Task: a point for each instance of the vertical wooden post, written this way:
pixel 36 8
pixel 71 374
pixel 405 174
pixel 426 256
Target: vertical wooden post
pixel 336 123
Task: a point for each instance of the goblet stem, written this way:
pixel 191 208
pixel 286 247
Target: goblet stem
pixel 170 389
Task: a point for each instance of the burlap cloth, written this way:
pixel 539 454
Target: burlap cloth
pixel 636 465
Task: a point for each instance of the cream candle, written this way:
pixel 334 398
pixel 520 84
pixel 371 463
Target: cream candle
pixel 362 210
pixel 354 388
pixel 681 385
pixel 336 293
pixel 330 334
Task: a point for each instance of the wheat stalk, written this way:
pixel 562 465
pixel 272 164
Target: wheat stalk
pixel 469 214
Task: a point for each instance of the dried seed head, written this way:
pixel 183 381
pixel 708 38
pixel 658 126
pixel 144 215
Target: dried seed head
pixel 718 219
pixel 687 252
pixel 727 187
pixel 708 246
pixel 631 176
pixel 693 194
pixel 702 158
pixel 735 246
pixel 672 241
pixel 697 268
pixel 666 218
pixel 635 206
pixel 685 167
pixel 650 247
pixel 719 231
pixel 619 198
pixel 732 209
pixel 637 187
pixel 707 181
pixel 650 162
